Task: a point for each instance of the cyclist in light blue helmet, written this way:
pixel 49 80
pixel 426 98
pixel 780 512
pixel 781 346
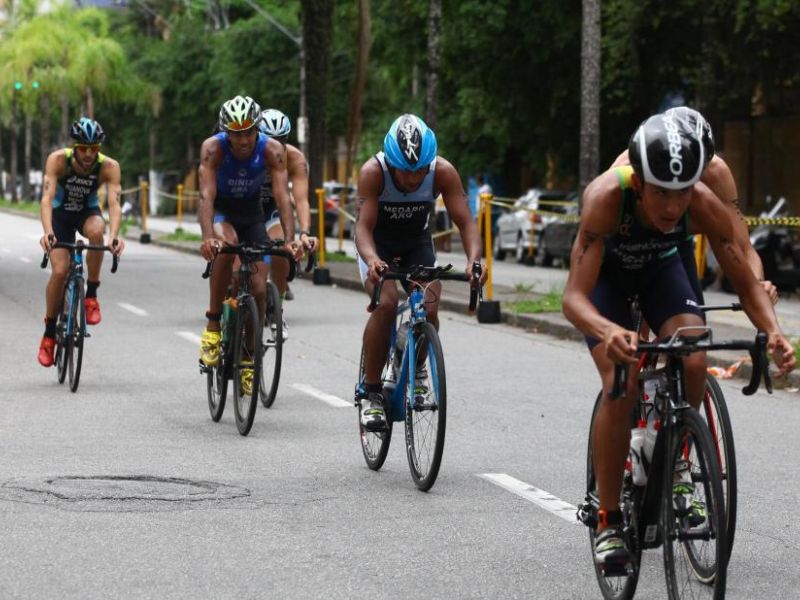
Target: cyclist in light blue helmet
pixel 397 191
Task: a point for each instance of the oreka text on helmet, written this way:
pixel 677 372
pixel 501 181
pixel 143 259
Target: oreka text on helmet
pixel 674 138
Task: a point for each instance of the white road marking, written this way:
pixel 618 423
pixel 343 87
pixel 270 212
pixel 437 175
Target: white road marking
pixel 24 259
pixel 320 395
pixel 541 498
pixel 134 309
pixel 188 335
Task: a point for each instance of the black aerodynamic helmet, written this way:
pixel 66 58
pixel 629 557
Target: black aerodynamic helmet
pixel 702 128
pixel 667 151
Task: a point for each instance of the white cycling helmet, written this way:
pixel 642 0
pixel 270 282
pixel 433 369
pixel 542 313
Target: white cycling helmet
pixel 239 114
pixel 275 124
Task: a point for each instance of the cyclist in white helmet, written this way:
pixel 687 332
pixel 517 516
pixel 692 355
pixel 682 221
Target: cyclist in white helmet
pixel 276 125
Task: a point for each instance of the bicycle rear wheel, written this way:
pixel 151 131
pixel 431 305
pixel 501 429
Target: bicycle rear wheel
pixel 715 412
pixel 272 346
pixel 426 408
pixel 77 337
pixel 62 338
pixel 246 364
pixel 617 587
pixel 374 444
pixel 695 554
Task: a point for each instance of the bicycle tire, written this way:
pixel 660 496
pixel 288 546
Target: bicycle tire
pixel 78 335
pixel 426 421
pixel 615 588
pixel 61 336
pixel 704 572
pixel 272 346
pixel 715 412
pixel 247 326
pixel 374 444
pixel 217 380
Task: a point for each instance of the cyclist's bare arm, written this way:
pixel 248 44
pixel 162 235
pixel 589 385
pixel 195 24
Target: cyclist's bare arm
pixel 275 158
pixel 112 176
pixel 210 159
pixel 370 181
pixel 601 202
pixel 448 184
pixel 297 166
pixel 711 217
pixel 54 168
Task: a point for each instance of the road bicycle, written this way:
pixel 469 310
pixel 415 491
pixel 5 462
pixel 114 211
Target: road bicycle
pixel 242 347
pixel 71 330
pixel 658 513
pixel 413 378
pixel 272 339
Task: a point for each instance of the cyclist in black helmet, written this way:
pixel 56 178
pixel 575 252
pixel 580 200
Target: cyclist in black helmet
pixel 633 221
pixel 69 205
pixel 718 177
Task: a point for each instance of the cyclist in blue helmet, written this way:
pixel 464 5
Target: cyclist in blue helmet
pixel 70 204
pixel 397 191
pixel 718 177
pixel 633 219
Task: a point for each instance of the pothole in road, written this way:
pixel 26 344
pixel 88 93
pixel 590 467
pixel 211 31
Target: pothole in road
pixel 121 493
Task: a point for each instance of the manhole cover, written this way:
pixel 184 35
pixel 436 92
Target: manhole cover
pixel 120 492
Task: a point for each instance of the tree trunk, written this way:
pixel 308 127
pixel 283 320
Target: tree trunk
pixel 317 18
pixel 13 141
pixel 357 93
pixel 434 60
pixel 65 122
pixel 89 103
pixel 590 94
pixel 44 131
pixel 26 171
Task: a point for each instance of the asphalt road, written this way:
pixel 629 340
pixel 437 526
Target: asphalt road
pixel 128 489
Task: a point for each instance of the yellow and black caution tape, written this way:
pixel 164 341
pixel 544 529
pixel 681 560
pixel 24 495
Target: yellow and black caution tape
pixel 780 221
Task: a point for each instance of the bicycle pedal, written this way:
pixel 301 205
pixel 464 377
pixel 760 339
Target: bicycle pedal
pixel 587 515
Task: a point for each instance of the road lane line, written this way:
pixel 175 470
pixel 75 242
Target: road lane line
pixel 24 259
pixel 188 335
pixel 140 312
pixel 540 498
pixel 320 395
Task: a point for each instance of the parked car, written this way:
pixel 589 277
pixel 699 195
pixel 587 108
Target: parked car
pixel 557 237
pixel 333 196
pixel 519 229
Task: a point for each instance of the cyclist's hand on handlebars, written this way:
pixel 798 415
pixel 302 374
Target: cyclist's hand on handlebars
pixel 620 345
pixel 771 290
pixel 117 246
pixel 376 268
pixel 296 248
pixel 210 247
pixel 310 242
pixel 47 241
pixel 471 275
pixel 782 353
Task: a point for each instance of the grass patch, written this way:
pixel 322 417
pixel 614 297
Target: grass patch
pixel 181 235
pixel 796 344
pixel 339 257
pixel 550 302
pixel 29 207
pixel 523 288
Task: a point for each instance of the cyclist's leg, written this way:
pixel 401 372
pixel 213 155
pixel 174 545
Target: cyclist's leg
pixel 221 273
pixel 669 303
pixel 93 228
pixel 279 266
pixel 254 233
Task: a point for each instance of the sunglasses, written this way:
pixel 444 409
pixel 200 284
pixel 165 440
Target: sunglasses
pixel 246 124
pixel 87 147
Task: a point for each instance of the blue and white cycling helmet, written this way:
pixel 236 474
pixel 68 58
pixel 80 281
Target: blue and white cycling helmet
pixel 667 151
pixel 274 123
pixel 410 145
pixel 87 131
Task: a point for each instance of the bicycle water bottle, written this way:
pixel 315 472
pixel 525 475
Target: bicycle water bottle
pixel 651 433
pixel 228 316
pixel 399 346
pixel 635 454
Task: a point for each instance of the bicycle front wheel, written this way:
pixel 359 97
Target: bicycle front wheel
pixel 617 586
pixel 374 444
pixel 77 337
pixel 272 346
pixel 426 407
pixel 62 336
pixel 693 514
pixel 715 412
pixel 246 365
pixel 217 381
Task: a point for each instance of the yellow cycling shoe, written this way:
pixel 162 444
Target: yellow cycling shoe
pixel 209 348
pixel 246 377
